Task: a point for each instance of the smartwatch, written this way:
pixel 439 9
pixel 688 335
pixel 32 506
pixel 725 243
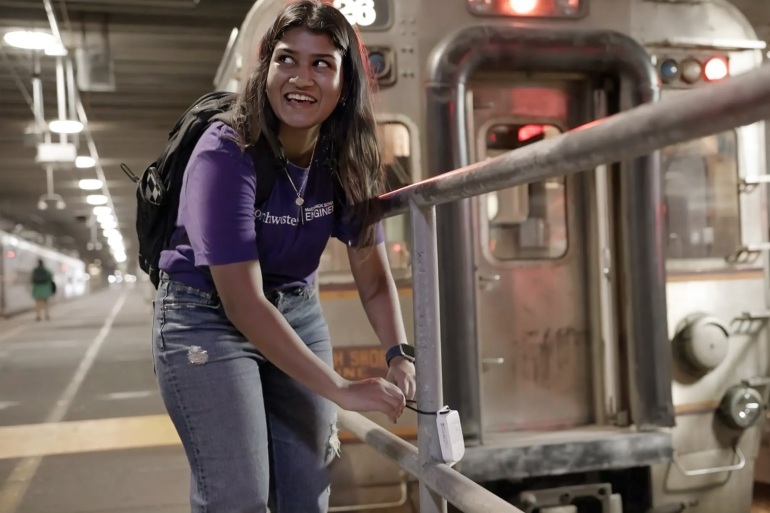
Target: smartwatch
pixel 404 350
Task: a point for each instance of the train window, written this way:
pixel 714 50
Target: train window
pixel 526 221
pixel 397 158
pixel 701 196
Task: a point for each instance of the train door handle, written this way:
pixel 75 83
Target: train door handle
pixel 488 281
pixel 489 362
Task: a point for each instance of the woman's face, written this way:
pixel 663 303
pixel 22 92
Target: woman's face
pixel 304 82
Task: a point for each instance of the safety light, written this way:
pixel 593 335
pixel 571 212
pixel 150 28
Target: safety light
pixel 715 69
pixel 529 8
pixel 669 71
pixel 529 131
pixel 523 6
pixel 691 71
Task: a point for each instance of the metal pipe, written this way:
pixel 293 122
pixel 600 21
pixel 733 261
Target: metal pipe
pixel 737 101
pixel 73 113
pixel 52 21
pixel 427 336
pixel 463 493
pixel 61 95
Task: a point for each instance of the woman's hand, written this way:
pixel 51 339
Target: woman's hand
pixel 401 373
pixel 373 394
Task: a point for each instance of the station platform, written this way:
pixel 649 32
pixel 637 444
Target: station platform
pixel 82 426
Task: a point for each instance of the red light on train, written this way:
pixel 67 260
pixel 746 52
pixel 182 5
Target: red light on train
pixel 529 131
pixel 10 254
pixel 715 69
pixel 523 6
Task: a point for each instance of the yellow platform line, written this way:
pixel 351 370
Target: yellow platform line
pixel 74 437
pixel 114 434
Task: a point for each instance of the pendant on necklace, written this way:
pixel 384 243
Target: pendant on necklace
pixel 299 201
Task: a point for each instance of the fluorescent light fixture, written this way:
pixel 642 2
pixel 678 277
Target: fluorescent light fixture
pixel 96 199
pixel 65 126
pixel 90 184
pixel 111 233
pixel 120 258
pixel 111 224
pixel 102 211
pixel 55 50
pixel 28 40
pixel 84 161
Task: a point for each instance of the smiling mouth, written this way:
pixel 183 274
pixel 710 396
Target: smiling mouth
pixel 299 98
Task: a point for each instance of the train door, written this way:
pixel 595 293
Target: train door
pixel 533 266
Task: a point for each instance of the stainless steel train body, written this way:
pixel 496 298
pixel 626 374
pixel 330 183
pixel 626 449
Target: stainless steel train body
pixel 18 257
pixel 604 334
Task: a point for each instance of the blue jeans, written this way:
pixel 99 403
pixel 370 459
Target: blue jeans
pixel 253 436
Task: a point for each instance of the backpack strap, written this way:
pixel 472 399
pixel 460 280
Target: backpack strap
pixel 267 167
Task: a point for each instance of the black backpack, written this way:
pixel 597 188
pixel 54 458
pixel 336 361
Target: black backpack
pixel 158 188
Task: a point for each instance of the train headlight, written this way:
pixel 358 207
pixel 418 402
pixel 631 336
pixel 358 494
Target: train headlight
pixel 523 6
pixel 529 8
pixel 669 71
pixel 741 407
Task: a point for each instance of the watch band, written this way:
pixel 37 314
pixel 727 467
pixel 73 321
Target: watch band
pixel 404 350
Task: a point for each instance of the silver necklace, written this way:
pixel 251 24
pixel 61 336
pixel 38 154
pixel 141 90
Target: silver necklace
pixel 300 200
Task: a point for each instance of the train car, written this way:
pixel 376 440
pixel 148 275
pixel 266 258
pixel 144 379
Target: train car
pixel 18 257
pixel 604 334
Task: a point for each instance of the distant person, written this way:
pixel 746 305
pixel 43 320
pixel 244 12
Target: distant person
pixel 43 288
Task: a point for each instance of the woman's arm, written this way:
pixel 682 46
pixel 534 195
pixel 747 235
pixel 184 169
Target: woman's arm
pixel 239 285
pixel 379 297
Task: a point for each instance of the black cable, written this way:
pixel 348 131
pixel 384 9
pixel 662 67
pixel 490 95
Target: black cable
pixel 419 411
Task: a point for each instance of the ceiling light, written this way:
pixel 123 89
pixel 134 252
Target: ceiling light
pixel 110 233
pixel 96 199
pixel 55 50
pixel 120 258
pixel 65 126
pixel 111 224
pixel 90 184
pixel 28 40
pixel 102 211
pixel 84 161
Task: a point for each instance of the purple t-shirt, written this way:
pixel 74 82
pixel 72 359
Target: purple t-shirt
pixel 217 211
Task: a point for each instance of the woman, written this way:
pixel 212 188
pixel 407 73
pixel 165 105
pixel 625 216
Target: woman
pixel 242 351
pixel 43 287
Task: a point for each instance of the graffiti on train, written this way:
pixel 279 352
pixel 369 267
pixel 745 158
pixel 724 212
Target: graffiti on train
pixel 550 353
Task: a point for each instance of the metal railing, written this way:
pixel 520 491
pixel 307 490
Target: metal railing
pixel 737 101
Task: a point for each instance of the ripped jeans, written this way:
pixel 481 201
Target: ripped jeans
pixel 253 436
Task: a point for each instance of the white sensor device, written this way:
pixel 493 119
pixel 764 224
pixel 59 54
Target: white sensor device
pixel 450 435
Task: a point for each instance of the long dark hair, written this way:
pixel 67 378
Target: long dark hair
pixel 351 128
